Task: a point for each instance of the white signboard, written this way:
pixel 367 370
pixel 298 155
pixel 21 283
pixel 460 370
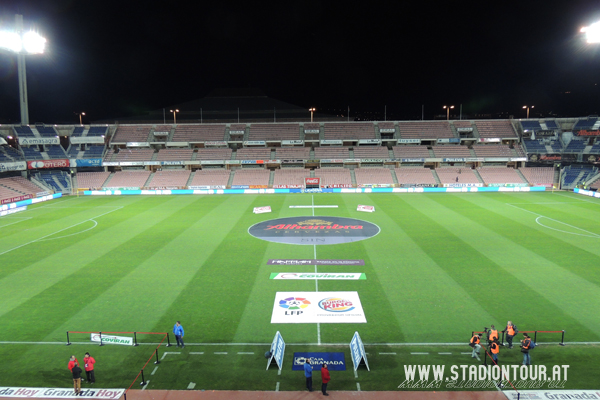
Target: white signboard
pixel 60 393
pixel 343 276
pixel 108 339
pixel 292 142
pixel 262 210
pixel 87 139
pixel 317 307
pixel 365 208
pixel 13 166
pixel 29 141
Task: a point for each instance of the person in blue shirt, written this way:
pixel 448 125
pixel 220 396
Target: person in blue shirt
pixel 178 332
pixel 308 374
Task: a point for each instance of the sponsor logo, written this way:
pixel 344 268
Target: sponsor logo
pixel 48 164
pixel 294 305
pixel 336 304
pixel 54 393
pixel 328 276
pixel 334 361
pixel 315 262
pixel 106 339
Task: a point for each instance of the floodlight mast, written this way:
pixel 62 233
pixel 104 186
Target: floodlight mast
pixel 22 75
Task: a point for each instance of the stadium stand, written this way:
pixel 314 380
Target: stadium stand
pixel 411 151
pixel 575 146
pixel 495 129
pixel 272 132
pixel 199 133
pixel 379 152
pixel 292 153
pixel 131 133
pixel 534 146
pixel 97 131
pixel 20 185
pixel 211 177
pixel 331 152
pixel 214 154
pixel 251 177
pixel 57 180
pixel 91 180
pixel 253 153
pixel 451 151
pixel 538 176
pixel 531 125
pixel 129 178
pixel 94 151
pixel 24 131
pixel 290 177
pixel 492 150
pixel 77 131
pixel 452 176
pixel 499 175
pixel 169 178
pixel 134 155
pixel 585 124
pixel 175 154
pixel 349 131
pixel 414 175
pixel 552 125
pixel 425 130
pixel 55 151
pixel 32 153
pixel 9 154
pixel 373 176
pixel 334 177
pixel 46 131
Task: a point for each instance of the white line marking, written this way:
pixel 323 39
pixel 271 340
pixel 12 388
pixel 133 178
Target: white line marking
pixel 313 207
pixel 279 372
pixel 169 352
pixel 445 354
pixel 196 352
pixel 418 354
pixel 24 219
pixel 387 354
pixel 220 352
pixel 589 234
pixel 72 234
pixel 146 385
pixel 191 385
pixel 245 352
pixel 355 374
pixel 64 229
pixel 155 368
pixel 468 352
pixel 277 387
pixel 358 386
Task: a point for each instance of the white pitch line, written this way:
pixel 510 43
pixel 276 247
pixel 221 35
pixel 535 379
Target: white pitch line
pixel 466 352
pixel 445 354
pixel 146 385
pixel 245 352
pixel 419 354
pixel 277 387
pixel 355 374
pixel 169 352
pixel 64 229
pixel 24 219
pixel 191 385
pixel 590 234
pixel 155 368
pixel 279 371
pixel 358 386
pixel 387 354
pixel 196 352
pixel 220 352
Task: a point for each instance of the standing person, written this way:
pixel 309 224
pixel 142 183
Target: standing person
pixel 178 332
pixel 325 378
pixel 511 330
pixel 495 347
pixel 492 334
pixel 88 365
pixel 474 343
pixel 308 374
pixel 72 362
pixel 76 378
pixel 525 347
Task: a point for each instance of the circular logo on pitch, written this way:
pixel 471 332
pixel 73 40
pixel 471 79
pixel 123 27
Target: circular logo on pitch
pixel 336 304
pixel 314 230
pixel 294 303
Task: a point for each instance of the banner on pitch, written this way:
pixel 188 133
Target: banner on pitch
pixel 312 275
pixel 277 351
pixel 60 393
pixel 317 307
pixel 108 339
pixel 334 361
pixel 357 351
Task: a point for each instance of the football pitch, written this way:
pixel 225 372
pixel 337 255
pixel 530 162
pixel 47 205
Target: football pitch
pixel 440 267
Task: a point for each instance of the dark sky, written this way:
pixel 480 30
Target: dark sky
pixel 121 58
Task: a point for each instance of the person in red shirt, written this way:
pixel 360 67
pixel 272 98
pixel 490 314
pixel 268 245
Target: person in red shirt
pixel 325 379
pixel 72 362
pixel 88 362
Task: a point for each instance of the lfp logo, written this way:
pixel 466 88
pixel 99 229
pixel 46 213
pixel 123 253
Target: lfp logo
pixel 294 305
pixel 336 304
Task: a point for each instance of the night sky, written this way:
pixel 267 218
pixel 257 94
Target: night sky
pixel 113 59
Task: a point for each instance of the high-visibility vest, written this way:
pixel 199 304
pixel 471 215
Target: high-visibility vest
pixel 475 339
pixel 495 348
pixel 510 329
pixel 526 344
pixel 493 335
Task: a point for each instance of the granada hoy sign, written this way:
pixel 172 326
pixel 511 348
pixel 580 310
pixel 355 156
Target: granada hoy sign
pixel 108 339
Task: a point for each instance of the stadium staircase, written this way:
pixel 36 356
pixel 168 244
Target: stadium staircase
pixel 44 155
pixel 227 137
pixel 351 152
pixel 353 177
pixel 475 131
pixel 522 176
pixel 479 178
pixel 105 184
pixel 147 183
pixel 437 178
pixel 592 180
pixel 230 181
pixel 394 177
pixel 587 149
pixel 246 134
pixel 154 156
pixel 556 181
pixel 431 153
pixel 301 135
pixel 74 183
pixel 190 179
pixel 271 178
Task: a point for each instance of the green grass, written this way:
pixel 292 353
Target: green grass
pixel 442 266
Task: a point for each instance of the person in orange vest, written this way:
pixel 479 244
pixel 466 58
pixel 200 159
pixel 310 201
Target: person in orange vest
pixel 492 334
pixel 511 330
pixel 495 347
pixel 474 343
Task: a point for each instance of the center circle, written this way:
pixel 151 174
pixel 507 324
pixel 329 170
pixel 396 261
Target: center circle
pixel 311 230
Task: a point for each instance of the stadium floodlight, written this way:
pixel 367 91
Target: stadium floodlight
pixel 528 107
pixel 592 33
pixel 175 111
pixel 447 108
pixel 312 110
pixel 22 43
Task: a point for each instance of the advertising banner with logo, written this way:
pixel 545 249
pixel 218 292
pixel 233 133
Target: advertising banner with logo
pixel 405 141
pixel 365 208
pixel 179 144
pixel 262 210
pixel 87 162
pixel 48 164
pixel 387 130
pixel 280 261
pixel 357 351
pixel 339 276
pixel 312 181
pixel 60 393
pixel 334 361
pixel 277 351
pixel 587 133
pixel 109 339
pixel 13 166
pixel 369 141
pixel 317 307
pixel 331 141
pixel 548 158
pixel 292 142
pixel 312 131
pixel 413 160
pixel 29 141
pixel 287 186
pixel 87 139
pixel 464 130
pixel 138 144
pixel 13 211
pixel 551 394
pixel 489 140
pixel 453 140
pixel 255 143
